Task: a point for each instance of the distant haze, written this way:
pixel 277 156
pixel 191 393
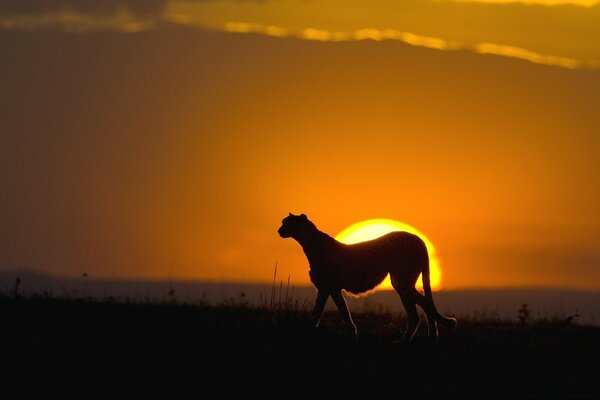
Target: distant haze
pixel 581 307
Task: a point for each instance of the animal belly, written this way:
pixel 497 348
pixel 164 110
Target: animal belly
pixel 364 277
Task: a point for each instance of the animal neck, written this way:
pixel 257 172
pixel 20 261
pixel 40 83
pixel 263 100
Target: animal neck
pixel 314 244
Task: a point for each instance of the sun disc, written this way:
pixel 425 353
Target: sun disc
pixel 374 228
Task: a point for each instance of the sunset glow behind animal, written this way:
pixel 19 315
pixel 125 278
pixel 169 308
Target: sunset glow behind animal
pixel 374 228
pixel 164 139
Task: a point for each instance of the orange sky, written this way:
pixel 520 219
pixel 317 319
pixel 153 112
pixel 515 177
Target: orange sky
pixel 139 143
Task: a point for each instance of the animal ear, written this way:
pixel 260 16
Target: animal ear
pixel 291 215
pixel 303 216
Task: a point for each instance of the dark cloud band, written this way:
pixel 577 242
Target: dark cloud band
pixel 90 7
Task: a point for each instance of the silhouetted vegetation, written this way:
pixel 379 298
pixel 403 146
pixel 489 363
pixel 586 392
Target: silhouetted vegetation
pixel 84 347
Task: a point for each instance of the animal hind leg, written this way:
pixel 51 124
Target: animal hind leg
pixel 408 301
pixel 430 312
pixel 428 305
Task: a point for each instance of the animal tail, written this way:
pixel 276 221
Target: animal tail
pixel 447 322
pixel 427 282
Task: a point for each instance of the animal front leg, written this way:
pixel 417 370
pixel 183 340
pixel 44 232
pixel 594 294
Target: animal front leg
pixel 341 304
pixel 322 297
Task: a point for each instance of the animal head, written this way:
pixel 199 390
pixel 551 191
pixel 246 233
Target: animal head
pixel 295 226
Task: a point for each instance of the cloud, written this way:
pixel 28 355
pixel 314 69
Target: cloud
pixel 245 27
pixel 85 7
pixel 92 7
pixel 557 36
pixel 411 39
pixel 515 52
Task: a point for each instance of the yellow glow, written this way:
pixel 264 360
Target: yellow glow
pixel 374 228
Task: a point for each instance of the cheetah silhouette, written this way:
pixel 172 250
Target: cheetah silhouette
pixel 358 268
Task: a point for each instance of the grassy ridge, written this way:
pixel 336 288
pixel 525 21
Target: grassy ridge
pixel 82 347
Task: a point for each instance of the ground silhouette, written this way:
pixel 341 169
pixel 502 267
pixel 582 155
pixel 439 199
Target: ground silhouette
pixel 86 348
pixel 358 268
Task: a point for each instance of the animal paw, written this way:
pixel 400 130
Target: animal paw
pixel 353 333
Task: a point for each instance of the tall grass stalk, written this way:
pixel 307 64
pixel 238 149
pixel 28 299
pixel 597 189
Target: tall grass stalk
pixel 280 301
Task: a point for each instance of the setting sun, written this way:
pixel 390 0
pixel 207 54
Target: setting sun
pixel 374 228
